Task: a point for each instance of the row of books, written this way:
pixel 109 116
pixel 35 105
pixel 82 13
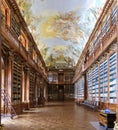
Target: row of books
pixel 102 77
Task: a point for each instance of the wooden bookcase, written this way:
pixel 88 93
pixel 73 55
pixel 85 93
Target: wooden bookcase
pixel 32 87
pixel 89 80
pixel 114 14
pixel 79 89
pixel 68 91
pixel 113 78
pixel 15 27
pixel 17 82
pixel 104 80
pixel 95 81
pixel 101 80
pixel 99 60
pixel 61 77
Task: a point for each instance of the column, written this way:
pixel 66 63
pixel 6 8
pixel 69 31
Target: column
pixel 45 91
pixel 36 88
pixel 85 87
pixel 23 83
pixel 27 86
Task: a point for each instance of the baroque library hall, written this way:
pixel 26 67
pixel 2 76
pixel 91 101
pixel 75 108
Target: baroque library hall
pixel 58 67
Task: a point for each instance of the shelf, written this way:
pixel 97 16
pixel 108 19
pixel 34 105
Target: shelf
pixel 79 89
pixel 16 83
pixel 32 89
pixel 112 89
pixel 15 26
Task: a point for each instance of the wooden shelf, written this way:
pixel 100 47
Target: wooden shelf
pixel 15 26
pixel 101 80
pixel 16 83
pixel 79 89
pixel 32 87
pixel 112 89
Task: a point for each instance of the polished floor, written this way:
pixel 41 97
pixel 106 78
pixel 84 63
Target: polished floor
pixel 54 116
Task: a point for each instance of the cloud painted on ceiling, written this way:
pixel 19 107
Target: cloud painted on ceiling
pixel 61 28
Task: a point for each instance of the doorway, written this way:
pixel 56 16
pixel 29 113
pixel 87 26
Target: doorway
pixel 60 93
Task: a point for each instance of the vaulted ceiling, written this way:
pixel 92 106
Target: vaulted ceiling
pixel 61 27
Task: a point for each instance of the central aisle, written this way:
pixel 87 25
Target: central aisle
pixel 54 116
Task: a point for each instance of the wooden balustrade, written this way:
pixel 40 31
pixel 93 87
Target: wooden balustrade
pixel 105 29
pixel 12 32
pixel 23 51
pixel 60 82
pixel 88 62
pixel 105 41
pixel 3 21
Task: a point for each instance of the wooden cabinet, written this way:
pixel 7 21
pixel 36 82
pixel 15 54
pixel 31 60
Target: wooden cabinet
pixel 107 119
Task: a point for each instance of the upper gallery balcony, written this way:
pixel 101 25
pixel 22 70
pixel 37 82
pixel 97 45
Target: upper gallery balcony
pixel 103 34
pixel 15 31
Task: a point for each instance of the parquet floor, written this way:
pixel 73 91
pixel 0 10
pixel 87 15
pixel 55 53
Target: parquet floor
pixel 54 116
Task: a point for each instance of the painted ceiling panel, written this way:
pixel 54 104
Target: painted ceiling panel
pixel 61 28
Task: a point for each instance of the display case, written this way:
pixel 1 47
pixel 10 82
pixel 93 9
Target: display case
pixel 107 119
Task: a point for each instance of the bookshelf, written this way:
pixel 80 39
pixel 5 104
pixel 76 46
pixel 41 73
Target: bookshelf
pixel 79 89
pixel 95 80
pixel 104 80
pixel 61 77
pixel 32 87
pixel 114 14
pixel 106 26
pixel 68 92
pixel 112 69
pixel 16 92
pixel 15 26
pixel 75 90
pixel 55 92
pixel 100 66
pixel 66 77
pixel 89 79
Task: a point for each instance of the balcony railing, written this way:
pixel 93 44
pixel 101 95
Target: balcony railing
pixel 105 42
pixel 11 30
pixel 3 21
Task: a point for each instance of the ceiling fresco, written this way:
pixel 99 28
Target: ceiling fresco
pixel 61 28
